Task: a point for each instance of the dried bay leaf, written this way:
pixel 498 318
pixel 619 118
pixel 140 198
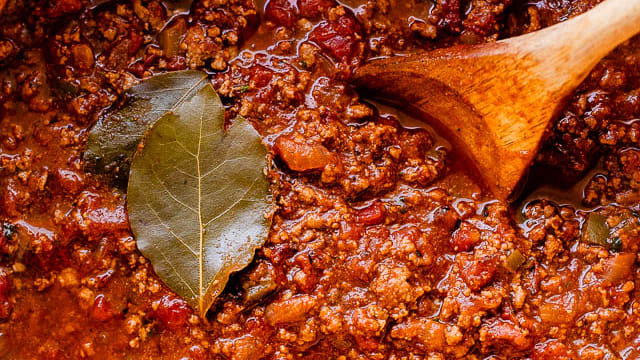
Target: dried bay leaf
pixel 114 138
pixel 197 196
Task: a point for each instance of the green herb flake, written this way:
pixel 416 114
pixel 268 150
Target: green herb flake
pixel 241 89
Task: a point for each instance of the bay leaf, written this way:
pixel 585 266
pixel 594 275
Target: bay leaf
pixel 114 138
pixel 197 196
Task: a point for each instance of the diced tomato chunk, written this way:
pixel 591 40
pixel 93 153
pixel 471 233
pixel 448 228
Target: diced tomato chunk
pixel 373 214
pixel 367 343
pixel 99 218
pixel 101 309
pixel 350 230
pixel 136 42
pixel 197 352
pixel 61 7
pixel 10 199
pixel 104 278
pixel 69 180
pixel 619 267
pixel 302 156
pixel 5 286
pixel 282 12
pixel 464 238
pixel 82 57
pixel 311 8
pixel 261 76
pixel 172 311
pixel 502 333
pixel 289 310
pixel 337 38
pixel 551 350
pixel 477 272
pixel 450 15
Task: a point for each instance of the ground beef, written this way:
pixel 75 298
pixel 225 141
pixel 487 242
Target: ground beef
pixel 382 245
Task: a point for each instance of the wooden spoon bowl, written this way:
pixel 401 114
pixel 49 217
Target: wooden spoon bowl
pixel 496 100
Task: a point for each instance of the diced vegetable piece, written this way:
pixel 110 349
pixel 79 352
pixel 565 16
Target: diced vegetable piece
pixel 281 12
pixel 171 37
pixel 619 267
pixel 464 238
pixel 289 310
pixel 5 287
pixel 338 38
pixel 515 260
pixel 502 332
pixel 300 156
pixel 426 332
pixel 311 8
pixel 258 283
pixel 596 230
pixel 173 312
pixel 101 309
pixel 559 309
pixel 83 56
pixel 477 271
pixel 260 291
pixel 373 214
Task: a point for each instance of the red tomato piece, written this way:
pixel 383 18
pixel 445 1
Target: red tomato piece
pixel 101 309
pixel 173 311
pixel 312 8
pixel 372 214
pixel 337 38
pixel 282 12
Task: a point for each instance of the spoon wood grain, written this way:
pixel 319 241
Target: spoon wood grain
pixel 496 100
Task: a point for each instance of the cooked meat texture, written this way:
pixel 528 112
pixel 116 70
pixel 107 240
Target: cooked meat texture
pixel 383 245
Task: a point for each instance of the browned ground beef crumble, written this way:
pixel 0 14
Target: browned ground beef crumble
pixel 382 245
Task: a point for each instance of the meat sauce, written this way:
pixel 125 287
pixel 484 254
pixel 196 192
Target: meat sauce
pixel 383 246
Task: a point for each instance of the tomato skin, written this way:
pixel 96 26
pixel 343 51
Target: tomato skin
pixel 551 350
pixel 261 76
pixel 477 272
pixel 5 286
pixel 372 214
pixel 136 42
pixel 464 238
pixel 337 38
pixel 101 309
pixel 282 12
pixel 62 7
pixel 172 311
pixel 313 8
pixel 70 181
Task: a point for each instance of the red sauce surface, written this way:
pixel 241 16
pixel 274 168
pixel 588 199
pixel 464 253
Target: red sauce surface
pixel 382 247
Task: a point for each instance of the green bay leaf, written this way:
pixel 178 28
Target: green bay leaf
pixel 197 197
pixel 113 139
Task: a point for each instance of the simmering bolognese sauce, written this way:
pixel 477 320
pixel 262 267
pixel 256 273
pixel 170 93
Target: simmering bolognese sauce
pixel 383 244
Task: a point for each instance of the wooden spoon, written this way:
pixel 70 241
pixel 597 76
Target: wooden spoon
pixel 496 100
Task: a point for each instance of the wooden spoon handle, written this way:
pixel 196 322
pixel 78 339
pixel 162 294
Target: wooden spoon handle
pixel 496 100
pixel 578 44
